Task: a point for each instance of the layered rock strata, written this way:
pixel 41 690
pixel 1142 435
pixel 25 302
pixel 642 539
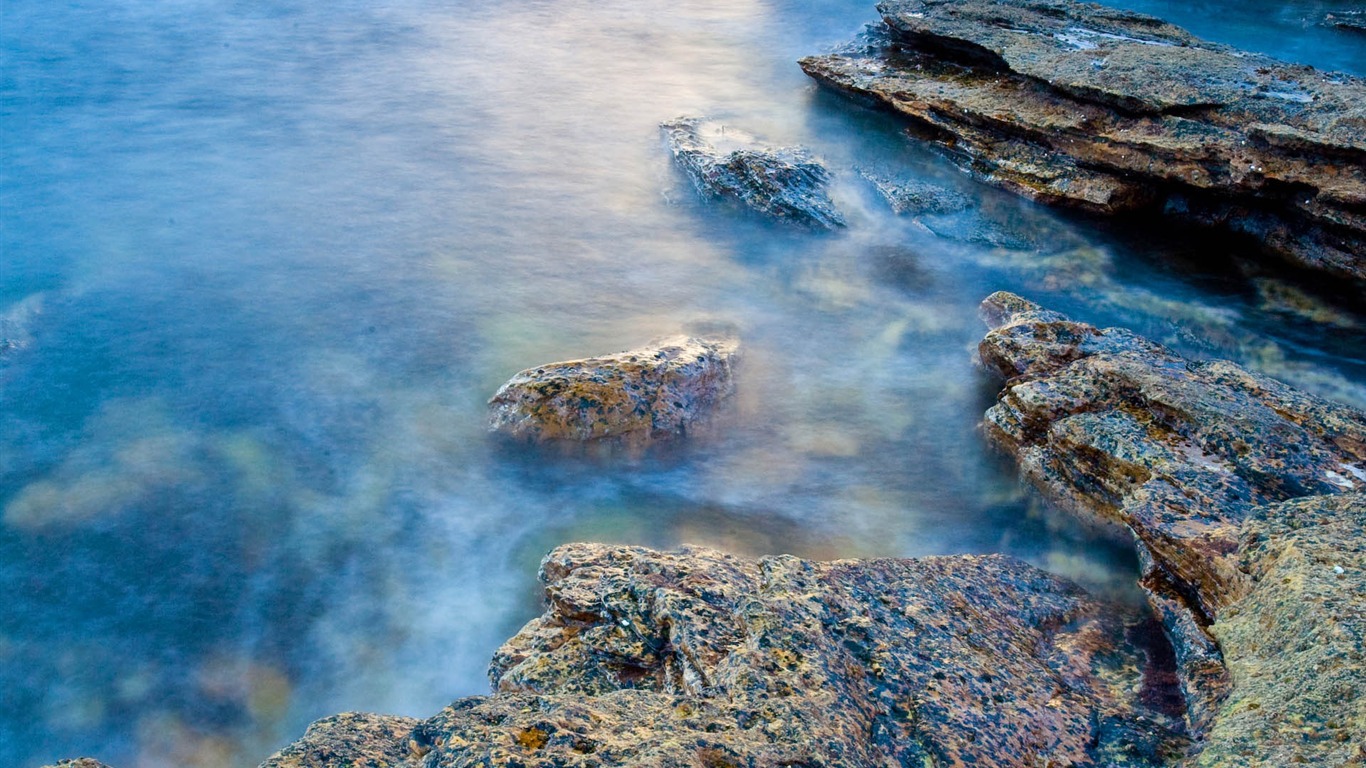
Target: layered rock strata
pixel 656 391
pixel 1185 455
pixel 697 658
pixel 1076 104
pixel 784 183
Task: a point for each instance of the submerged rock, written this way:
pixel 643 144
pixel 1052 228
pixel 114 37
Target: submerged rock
pixel 912 196
pixel 785 183
pixel 659 390
pixel 1076 104
pixel 79 762
pixel 698 658
pixel 1352 21
pixel 1180 452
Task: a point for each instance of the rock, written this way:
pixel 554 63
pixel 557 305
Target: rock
pixel 1295 644
pixel 656 391
pixel 785 183
pixel 911 196
pixel 695 657
pixel 1179 452
pixel 79 762
pixel 1075 104
pixel 1352 21
pixel 349 740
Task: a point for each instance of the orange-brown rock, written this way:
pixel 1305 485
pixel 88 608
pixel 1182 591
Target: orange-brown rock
pixel 1179 452
pixel 1076 104
pixel 659 390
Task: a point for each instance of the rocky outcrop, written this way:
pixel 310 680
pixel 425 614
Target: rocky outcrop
pixel 656 391
pixel 1295 643
pixel 783 183
pixel 700 658
pixel 1181 453
pixel 1076 104
pixel 79 762
pixel 349 740
pixel 1352 21
pixel 697 658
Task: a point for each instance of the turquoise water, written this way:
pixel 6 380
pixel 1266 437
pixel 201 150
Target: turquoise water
pixel 262 263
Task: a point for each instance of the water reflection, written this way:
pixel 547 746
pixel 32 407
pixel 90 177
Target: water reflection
pixel 263 262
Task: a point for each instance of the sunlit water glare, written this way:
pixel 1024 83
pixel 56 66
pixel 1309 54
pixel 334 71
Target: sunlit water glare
pixel 264 262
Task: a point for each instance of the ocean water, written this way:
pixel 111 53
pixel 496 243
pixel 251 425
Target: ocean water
pixel 262 264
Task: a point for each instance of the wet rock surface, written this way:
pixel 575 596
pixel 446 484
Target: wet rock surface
pixel 351 739
pixel 700 658
pixel 1182 453
pixel 1295 643
pixel 657 391
pixel 1352 21
pixel 1076 104
pixel 784 183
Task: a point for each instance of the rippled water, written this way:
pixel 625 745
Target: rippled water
pixel 263 263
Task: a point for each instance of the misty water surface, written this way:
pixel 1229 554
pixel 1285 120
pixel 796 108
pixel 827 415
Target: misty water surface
pixel 262 264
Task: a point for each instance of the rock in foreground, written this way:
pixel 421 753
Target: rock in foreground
pixel 1076 104
pixel 659 390
pixel 784 183
pixel 696 658
pixel 1184 454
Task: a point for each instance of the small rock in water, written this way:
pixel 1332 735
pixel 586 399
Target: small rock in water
pixel 785 183
pixel 659 390
pixel 910 196
pixel 1352 21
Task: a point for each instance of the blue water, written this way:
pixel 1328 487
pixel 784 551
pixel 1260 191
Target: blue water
pixel 262 263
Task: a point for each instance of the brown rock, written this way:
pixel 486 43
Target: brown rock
pixel 1179 452
pixel 696 658
pixel 1072 103
pixel 349 740
pixel 659 390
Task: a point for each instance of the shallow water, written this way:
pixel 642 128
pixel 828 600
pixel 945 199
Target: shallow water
pixel 263 262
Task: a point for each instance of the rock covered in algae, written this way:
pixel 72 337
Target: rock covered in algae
pixel 659 390
pixel 1077 104
pixel 79 762
pixel 349 740
pixel 1179 452
pixel 785 183
pixel 694 657
pixel 1295 643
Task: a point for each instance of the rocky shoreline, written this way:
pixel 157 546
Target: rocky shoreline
pixel 1245 498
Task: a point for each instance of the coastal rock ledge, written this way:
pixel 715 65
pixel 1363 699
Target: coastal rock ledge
pixel 698 658
pixel 1247 500
pixel 1076 104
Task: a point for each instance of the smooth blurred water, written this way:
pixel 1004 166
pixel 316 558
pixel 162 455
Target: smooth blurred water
pixel 263 262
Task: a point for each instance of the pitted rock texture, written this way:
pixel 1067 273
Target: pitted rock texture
pixel 659 390
pixel 1295 644
pixel 1179 452
pixel 349 740
pixel 784 183
pixel 696 658
pixel 1076 104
